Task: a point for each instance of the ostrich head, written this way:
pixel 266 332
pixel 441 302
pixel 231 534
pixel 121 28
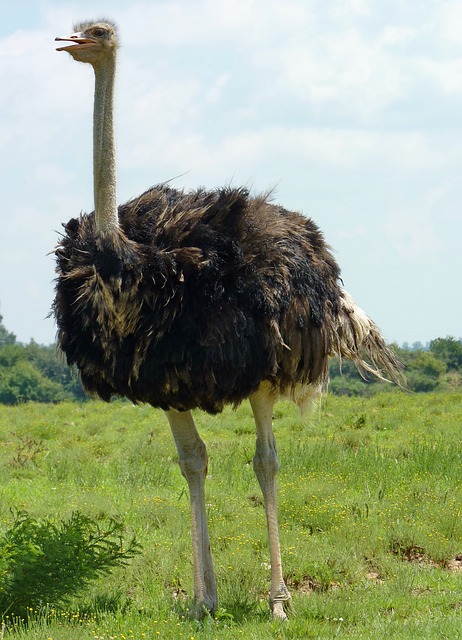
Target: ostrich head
pixel 92 42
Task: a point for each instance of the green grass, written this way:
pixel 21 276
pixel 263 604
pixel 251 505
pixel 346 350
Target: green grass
pixel 370 494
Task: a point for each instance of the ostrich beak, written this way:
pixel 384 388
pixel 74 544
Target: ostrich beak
pixel 78 42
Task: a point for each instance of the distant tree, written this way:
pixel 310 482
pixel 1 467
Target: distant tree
pixel 427 363
pixel 437 365
pixel 51 364
pixel 449 350
pixel 417 346
pixel 424 371
pixel 34 372
pixel 345 386
pixel 345 380
pixel 10 354
pixel 23 382
pixel 5 336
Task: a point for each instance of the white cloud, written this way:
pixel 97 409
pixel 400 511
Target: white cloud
pixel 450 20
pixel 447 73
pixel 357 232
pixel 344 9
pixel 245 23
pixel 343 70
pixel 318 148
pixel 214 93
pixel 415 231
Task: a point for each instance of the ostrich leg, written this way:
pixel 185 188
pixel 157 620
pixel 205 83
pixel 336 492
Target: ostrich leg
pixel 192 456
pixel 266 465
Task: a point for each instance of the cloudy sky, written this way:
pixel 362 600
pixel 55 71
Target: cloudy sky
pixel 350 109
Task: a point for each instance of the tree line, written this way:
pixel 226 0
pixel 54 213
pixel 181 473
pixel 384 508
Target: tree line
pixel 33 372
pixel 436 366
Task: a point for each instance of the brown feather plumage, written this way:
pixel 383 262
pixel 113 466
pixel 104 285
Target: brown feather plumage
pixel 199 297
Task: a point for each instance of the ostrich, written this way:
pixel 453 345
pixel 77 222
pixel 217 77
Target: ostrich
pixel 188 300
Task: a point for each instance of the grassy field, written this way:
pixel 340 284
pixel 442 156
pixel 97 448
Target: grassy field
pixel 370 494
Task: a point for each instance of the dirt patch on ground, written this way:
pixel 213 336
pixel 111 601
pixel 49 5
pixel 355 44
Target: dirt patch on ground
pixel 375 577
pixel 307 585
pixel 456 563
pixel 416 554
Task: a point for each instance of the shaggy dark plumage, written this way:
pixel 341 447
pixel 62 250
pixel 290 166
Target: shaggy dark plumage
pixel 200 297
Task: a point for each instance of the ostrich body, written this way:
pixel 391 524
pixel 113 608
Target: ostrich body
pixel 197 300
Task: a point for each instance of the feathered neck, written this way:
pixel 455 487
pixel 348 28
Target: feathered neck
pixel 104 161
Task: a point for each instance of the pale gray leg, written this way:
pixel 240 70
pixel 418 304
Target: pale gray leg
pixel 192 456
pixel 266 465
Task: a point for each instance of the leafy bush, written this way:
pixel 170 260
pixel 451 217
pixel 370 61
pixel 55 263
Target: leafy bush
pixel 35 373
pixel 434 367
pixel 23 382
pixel 43 563
pixel 449 350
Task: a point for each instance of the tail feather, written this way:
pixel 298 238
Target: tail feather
pixel 360 340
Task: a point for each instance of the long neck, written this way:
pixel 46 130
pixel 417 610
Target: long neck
pixel 104 161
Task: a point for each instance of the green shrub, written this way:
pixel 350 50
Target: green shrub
pixel 43 563
pixel 23 382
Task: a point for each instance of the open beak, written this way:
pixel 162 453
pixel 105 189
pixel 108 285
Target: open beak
pixel 78 42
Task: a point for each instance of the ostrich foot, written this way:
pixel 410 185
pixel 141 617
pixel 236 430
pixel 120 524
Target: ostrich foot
pixel 281 604
pixel 201 610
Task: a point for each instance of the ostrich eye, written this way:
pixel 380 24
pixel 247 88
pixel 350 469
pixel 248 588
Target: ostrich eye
pixel 99 33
